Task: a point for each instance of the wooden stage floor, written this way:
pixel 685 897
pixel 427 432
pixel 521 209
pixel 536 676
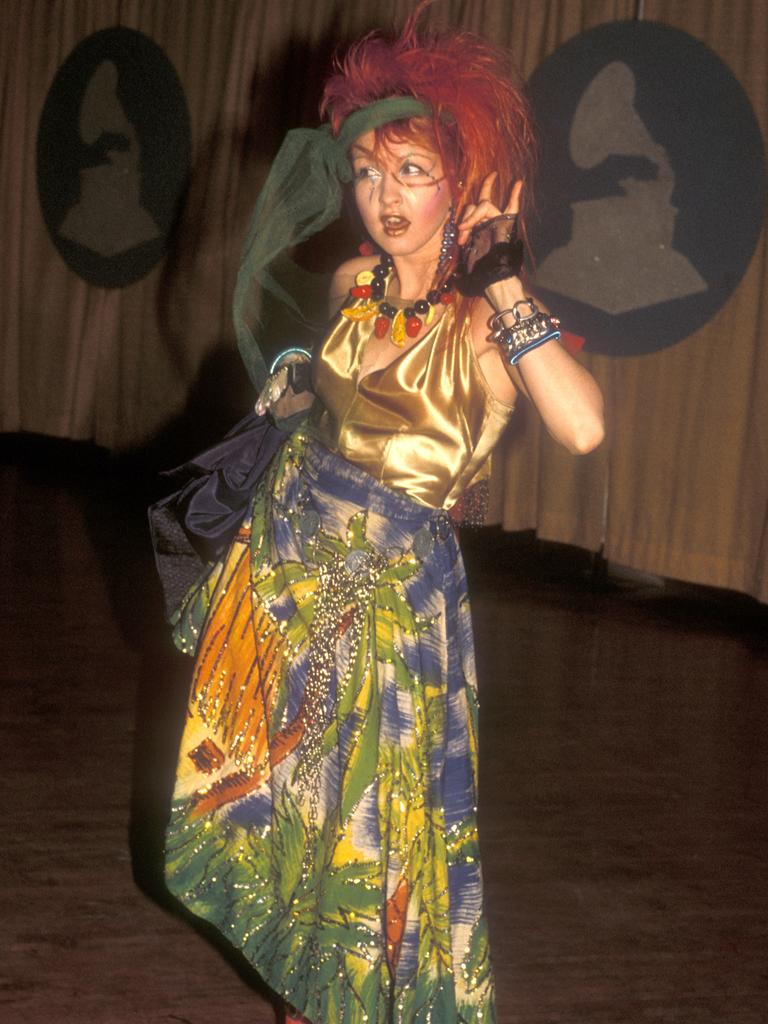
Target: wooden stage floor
pixel 624 778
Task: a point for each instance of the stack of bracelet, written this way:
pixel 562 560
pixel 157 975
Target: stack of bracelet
pixel 527 333
pixel 494 252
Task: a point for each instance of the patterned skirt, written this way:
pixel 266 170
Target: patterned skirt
pixel 324 814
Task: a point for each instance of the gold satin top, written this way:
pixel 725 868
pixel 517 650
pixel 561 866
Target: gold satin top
pixel 425 424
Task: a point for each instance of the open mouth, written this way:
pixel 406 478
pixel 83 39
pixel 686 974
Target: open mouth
pixel 395 225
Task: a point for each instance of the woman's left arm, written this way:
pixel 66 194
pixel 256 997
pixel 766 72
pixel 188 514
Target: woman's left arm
pixel 564 393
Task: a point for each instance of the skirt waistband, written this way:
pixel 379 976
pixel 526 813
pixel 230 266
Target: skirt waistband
pixel 336 475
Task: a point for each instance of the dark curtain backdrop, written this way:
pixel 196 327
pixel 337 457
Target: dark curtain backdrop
pixel 679 488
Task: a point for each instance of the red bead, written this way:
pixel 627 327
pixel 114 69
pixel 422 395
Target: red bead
pixel 446 298
pixel 380 326
pixel 412 326
pixel 366 249
pixel 361 291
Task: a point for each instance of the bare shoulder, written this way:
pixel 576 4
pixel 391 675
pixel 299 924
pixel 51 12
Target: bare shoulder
pixel 344 278
pixel 480 316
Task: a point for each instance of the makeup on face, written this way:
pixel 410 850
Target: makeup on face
pixel 401 193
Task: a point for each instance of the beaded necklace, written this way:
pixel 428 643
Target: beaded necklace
pixel 371 285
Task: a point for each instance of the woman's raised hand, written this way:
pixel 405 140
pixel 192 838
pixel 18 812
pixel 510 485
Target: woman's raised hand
pixel 485 209
pixel 490 247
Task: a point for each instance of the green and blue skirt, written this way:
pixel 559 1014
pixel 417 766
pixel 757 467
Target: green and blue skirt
pixel 324 814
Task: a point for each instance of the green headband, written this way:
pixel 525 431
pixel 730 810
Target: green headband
pixel 301 196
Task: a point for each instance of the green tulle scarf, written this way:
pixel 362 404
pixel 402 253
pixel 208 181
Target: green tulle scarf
pixel 301 196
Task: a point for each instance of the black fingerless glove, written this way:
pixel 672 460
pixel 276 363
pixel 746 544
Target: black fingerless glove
pixel 503 260
pixel 492 253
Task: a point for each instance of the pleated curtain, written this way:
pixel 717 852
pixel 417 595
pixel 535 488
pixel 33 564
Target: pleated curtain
pixel 680 486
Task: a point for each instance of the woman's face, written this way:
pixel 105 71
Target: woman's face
pixel 402 195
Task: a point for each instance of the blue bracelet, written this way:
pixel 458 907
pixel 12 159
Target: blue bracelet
pixel 288 352
pixel 517 354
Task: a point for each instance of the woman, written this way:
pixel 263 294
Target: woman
pixel 324 816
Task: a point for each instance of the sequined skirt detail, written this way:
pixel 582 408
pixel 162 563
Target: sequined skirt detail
pixel 324 815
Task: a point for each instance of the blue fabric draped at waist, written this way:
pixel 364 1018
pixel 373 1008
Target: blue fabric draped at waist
pixel 336 475
pixel 195 524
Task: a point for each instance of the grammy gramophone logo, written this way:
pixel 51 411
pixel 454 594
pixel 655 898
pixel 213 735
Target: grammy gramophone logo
pixel 113 156
pixel 651 189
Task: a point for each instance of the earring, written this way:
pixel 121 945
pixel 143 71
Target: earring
pixel 448 244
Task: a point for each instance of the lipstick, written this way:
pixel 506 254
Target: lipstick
pixel 394 226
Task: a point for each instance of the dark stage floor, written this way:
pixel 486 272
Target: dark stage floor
pixel 624 779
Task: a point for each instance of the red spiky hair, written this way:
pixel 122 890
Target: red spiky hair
pixel 480 120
